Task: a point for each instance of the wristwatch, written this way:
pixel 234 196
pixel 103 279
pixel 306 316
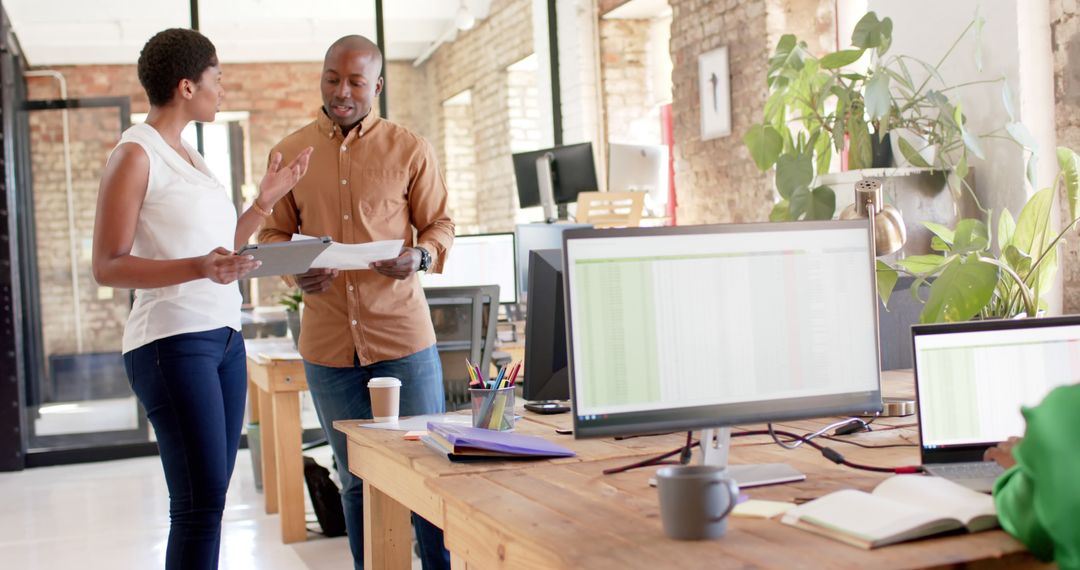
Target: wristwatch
pixel 425 259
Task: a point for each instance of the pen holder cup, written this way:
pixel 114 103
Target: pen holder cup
pixel 493 409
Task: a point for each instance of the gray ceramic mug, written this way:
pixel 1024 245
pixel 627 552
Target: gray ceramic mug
pixel 695 501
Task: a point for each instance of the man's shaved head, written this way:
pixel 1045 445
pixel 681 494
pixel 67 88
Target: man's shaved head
pixel 355 43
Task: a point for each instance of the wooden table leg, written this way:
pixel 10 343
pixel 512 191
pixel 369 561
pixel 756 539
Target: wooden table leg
pixel 290 466
pixel 253 402
pixel 457 562
pixel 269 452
pixel 387 532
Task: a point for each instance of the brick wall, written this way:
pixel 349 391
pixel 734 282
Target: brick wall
pixel 629 110
pixel 477 61
pixel 1065 38
pixel 459 149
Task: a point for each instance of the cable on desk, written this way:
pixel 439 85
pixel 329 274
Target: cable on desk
pixel 829 453
pixel 684 453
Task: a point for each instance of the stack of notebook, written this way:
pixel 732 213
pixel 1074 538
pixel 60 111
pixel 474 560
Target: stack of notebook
pixel 462 443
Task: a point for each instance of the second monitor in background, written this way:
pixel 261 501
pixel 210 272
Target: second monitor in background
pixel 483 259
pixel 547 380
pixel 553 177
pixel 531 237
pixel 641 168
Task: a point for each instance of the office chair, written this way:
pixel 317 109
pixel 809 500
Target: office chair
pixel 610 209
pixel 464 320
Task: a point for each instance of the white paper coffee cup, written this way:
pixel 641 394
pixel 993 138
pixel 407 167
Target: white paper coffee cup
pixel 385 396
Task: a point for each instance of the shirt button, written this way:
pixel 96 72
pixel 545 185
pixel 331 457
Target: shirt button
pixel 344 182
pixel 350 287
pixel 344 148
pixel 354 322
pixel 346 216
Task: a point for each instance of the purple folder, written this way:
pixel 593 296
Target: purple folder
pixel 498 441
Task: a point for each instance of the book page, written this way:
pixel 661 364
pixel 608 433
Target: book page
pixel 871 519
pixel 941 496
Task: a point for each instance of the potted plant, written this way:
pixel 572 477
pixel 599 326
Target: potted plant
pixel 967 279
pixel 293 301
pixel 816 108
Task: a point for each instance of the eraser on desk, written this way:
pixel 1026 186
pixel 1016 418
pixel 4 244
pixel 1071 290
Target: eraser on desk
pixel 759 509
pixel 414 435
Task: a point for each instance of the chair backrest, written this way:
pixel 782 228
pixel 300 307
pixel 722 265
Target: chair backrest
pixel 610 209
pixel 464 320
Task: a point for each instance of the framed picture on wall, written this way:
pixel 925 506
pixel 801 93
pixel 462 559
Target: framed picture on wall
pixel 714 85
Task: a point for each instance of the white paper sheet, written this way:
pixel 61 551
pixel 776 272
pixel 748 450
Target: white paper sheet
pixel 419 423
pixel 349 256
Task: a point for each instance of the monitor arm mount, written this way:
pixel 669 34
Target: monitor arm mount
pixel 545 182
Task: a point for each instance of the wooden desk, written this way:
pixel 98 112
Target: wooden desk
pixel 275 380
pixel 566 514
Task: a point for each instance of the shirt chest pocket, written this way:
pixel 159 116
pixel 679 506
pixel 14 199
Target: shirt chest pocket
pixel 383 194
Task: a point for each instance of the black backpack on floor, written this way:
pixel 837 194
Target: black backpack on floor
pixel 325 498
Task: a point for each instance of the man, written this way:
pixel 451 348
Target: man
pixel 369 179
pixel 1038 499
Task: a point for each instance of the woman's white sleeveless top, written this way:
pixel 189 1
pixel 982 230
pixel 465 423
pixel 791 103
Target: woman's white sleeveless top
pixel 186 213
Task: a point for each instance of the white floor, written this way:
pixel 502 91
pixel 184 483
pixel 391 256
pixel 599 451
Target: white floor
pixel 115 515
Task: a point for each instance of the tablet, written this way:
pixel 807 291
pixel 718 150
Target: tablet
pixel 285 257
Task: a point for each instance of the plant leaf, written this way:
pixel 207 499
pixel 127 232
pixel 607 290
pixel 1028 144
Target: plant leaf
pixel 938 244
pixel 1022 135
pixel 1069 163
pixel 822 204
pixel 970 235
pixel 823 154
pixel 779 212
pixel 960 292
pixel 877 96
pixel 1018 260
pixel 909 152
pixel 886 36
pixel 765 145
pixel 793 171
pixel 970 140
pixel 1033 171
pixel 799 203
pixel 886 281
pixel 1006 98
pixel 867 32
pixel 860 153
pixel 947 235
pixel 979 23
pixel 1006 229
pixel 838 59
pixel 922 263
pixel 1033 236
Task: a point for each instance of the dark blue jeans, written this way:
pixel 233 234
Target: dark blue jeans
pixel 193 387
pixel 342 394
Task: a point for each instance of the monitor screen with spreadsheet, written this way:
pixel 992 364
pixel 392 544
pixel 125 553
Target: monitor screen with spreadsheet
pixel 689 327
pixel 972 378
pixel 483 259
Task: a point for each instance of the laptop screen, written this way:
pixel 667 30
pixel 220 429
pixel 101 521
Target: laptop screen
pixel 973 378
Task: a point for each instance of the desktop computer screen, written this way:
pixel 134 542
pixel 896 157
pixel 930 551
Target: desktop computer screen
pixel 573 172
pixel 537 236
pixel 485 259
pixel 680 328
pixel 546 377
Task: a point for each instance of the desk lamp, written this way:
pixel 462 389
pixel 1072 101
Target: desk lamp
pixel 887 227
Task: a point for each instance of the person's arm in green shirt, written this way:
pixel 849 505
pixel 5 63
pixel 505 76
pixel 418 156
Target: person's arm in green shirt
pixel 1038 499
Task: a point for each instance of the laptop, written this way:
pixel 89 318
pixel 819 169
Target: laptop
pixel 972 378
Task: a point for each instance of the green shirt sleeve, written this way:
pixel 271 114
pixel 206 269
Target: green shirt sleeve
pixel 1038 500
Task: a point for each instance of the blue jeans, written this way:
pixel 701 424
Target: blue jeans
pixel 342 394
pixel 193 387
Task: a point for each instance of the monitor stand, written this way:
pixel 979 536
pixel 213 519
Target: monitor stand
pixel 716 442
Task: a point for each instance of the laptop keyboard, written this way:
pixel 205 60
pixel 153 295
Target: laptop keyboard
pixel 970 470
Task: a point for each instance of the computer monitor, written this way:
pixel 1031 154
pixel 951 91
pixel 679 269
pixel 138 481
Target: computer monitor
pixel 681 328
pixel 642 168
pixel 482 259
pixel 546 376
pixel 537 236
pixel 568 169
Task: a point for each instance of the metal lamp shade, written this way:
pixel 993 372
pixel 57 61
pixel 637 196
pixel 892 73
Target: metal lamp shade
pixel 889 230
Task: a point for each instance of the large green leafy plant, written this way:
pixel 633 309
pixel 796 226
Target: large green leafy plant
pixel 817 109
pixel 968 279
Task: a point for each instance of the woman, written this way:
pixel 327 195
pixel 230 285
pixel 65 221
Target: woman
pixel 167 228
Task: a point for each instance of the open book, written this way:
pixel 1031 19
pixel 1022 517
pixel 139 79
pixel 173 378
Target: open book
pixel 902 507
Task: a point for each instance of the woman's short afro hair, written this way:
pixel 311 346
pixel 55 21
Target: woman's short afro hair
pixel 172 55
